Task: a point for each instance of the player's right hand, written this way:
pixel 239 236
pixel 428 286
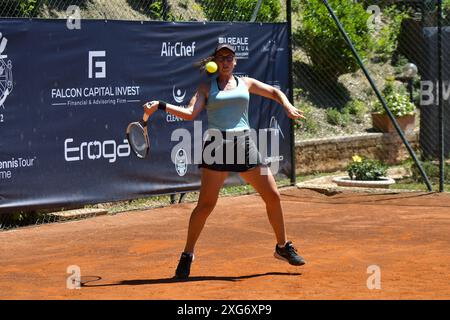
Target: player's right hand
pixel 150 107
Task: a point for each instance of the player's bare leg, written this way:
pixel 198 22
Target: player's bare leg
pixel 264 183
pixel 266 186
pixel 211 182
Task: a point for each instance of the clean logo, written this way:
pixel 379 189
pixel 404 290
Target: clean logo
pixel 6 83
pixel 178 95
pixel 99 65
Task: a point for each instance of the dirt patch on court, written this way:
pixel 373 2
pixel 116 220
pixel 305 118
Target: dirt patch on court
pixel 134 255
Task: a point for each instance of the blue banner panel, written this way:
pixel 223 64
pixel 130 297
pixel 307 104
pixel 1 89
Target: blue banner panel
pixel 67 96
pixel 429 95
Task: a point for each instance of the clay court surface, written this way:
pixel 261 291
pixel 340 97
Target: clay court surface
pixel 133 255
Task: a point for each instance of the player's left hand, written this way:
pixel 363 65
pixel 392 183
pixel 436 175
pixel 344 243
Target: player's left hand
pixel 293 112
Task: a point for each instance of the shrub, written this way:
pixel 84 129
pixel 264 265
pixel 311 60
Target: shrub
pixel 446 8
pixel 356 108
pixel 337 118
pixel 431 168
pixel 386 41
pixel 155 9
pixel 240 10
pixel 319 36
pixel 333 116
pixel 365 169
pixel 309 124
pixel 432 7
pixel 27 7
pixel 18 219
pixel 398 104
pixel 19 8
pixel 391 88
pixel 400 64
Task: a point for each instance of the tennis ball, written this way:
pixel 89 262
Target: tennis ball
pixel 211 67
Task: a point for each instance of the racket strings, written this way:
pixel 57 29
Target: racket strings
pixel 138 139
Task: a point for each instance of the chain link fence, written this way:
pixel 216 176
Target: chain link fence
pixel 159 10
pixel 396 40
pixel 398 44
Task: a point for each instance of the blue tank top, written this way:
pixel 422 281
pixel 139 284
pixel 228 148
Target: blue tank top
pixel 228 110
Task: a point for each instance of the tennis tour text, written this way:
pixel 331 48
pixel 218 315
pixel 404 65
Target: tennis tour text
pixel 14 163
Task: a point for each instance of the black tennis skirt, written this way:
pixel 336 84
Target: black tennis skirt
pixel 234 152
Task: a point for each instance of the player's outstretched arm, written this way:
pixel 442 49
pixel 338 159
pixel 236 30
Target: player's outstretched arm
pixel 195 106
pixel 262 89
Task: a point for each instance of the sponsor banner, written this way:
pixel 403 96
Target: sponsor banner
pixel 67 96
pixel 429 92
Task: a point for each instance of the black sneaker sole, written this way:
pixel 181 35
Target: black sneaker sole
pixel 277 256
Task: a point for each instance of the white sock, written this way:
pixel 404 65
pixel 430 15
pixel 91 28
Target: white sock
pixel 281 247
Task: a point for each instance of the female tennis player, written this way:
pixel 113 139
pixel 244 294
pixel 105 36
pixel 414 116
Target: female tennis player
pixel 226 99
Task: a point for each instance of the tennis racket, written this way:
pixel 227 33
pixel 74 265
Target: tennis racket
pixel 137 137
